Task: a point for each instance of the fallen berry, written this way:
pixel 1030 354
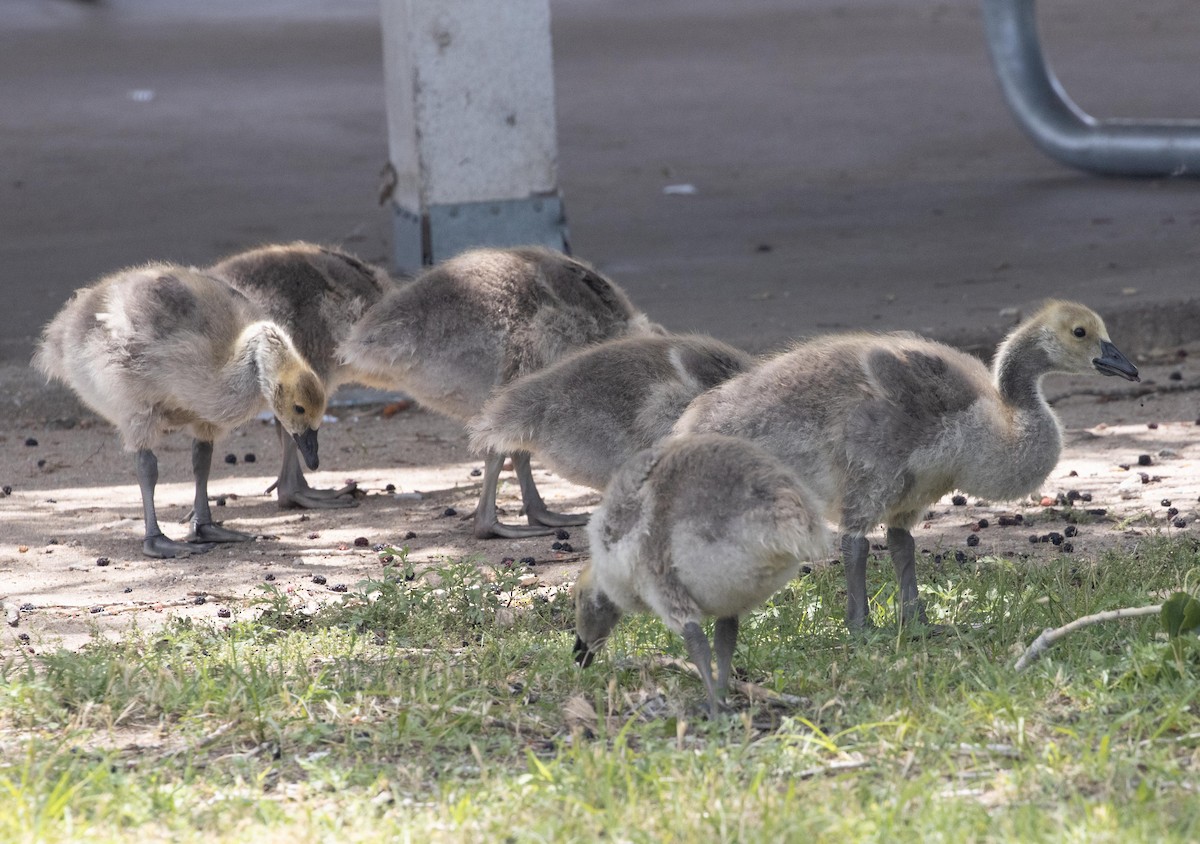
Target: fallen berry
pixel 30 441
pixel 1175 376
pixel 6 489
pixel 983 523
pixel 223 612
pixel 361 542
pixel 268 576
pixel 250 458
pixel 231 459
pixel 338 587
pixel 1152 426
pixel 529 561
pixel 390 488
pixel 102 561
pixel 95 610
pixel 449 511
pixel 1067 547
pixel 1172 512
pixel 127 589
pixel 1144 460
pixel 1070 530
pixel 959 501
pixel 1166 502
pixel 555 546
pixel 475 473
pixel 410 535
pixel 1180 522
pixel 561 534
pixel 973 540
pixel 566 548
pixel 319 579
pixel 199 599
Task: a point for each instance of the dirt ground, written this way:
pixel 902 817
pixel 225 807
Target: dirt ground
pixel 74 504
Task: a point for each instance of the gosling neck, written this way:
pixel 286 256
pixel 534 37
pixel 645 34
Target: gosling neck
pixel 1020 363
pixel 265 352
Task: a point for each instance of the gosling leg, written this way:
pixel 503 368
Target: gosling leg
pixel 155 544
pixel 701 656
pixel 487 522
pixel 203 527
pixel 292 489
pixel 904 559
pixel 854 553
pixel 724 638
pixel 535 508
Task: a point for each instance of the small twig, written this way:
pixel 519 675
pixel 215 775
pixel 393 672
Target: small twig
pixel 1052 634
pixel 750 690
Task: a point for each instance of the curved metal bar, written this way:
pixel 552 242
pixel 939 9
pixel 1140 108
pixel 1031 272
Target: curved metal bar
pixel 1063 130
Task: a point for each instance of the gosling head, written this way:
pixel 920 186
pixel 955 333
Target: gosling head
pixel 595 618
pixel 1078 342
pixel 298 402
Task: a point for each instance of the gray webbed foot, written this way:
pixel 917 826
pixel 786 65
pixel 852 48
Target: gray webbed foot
pixel 308 498
pixel 485 529
pixel 548 518
pixel 159 547
pixel 211 532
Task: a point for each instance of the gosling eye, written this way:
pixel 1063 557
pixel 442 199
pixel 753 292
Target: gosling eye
pixel 1080 331
pixel 298 408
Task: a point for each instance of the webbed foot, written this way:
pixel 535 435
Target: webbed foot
pixel 211 532
pixel 308 498
pixel 160 547
pixel 548 518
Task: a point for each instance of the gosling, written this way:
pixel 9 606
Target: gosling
pixel 881 426
pixel 588 413
pixel 317 294
pixel 480 320
pixel 159 348
pixel 697 526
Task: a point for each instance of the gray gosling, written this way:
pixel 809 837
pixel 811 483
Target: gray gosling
pixel 881 426
pixel 697 526
pixel 159 348
pixel 480 320
pixel 588 413
pixel 316 294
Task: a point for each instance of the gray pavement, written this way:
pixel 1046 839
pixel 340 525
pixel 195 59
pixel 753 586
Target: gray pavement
pixel 854 163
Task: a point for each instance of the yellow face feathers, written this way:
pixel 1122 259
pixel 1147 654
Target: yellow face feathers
pixel 299 399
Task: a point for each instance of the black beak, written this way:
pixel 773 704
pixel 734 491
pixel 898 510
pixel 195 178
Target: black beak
pixel 583 656
pixel 307 443
pixel 1112 362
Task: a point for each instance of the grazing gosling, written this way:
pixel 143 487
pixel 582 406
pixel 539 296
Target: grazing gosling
pixel 480 320
pixel 588 413
pixel 159 348
pixel 881 426
pixel 316 294
pixel 696 526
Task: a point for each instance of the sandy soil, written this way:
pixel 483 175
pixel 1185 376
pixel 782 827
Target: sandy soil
pixel 74 503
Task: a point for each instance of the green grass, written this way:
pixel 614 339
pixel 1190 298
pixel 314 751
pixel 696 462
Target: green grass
pixel 447 708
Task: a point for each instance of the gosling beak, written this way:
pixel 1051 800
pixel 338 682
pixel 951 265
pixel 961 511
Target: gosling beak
pixel 307 443
pixel 1112 362
pixel 583 656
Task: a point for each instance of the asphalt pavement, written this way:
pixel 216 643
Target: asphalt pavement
pixel 852 164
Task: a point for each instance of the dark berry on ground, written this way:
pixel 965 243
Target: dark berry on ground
pixel 1166 502
pixel 973 540
pixel 475 473
pixel 449 511
pixel 1067 547
pixel 1070 530
pixel 200 599
pixel 529 561
pixel 1144 460
pixel 250 458
pixel 390 488
pixel 410 535
pixel 555 546
pixel 561 534
pixel 224 612
pixel 959 501
pixel 231 459
pixel 319 579
pixel 566 547
pixel 30 441
pixel 1180 523
pixel 338 587
pixel 983 523
pixel 361 542
pixel 102 561
pixel 1172 512
pixel 268 576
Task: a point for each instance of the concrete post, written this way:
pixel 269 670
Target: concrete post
pixel 471 133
